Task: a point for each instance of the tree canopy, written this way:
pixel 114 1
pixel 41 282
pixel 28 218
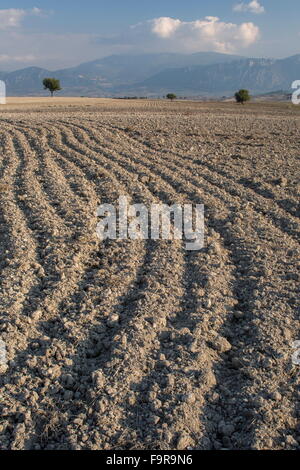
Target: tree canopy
pixel 171 96
pixel 242 96
pixel 51 84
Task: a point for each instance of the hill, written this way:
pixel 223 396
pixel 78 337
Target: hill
pixel 201 74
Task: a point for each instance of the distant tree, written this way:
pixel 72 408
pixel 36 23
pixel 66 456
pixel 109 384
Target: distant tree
pixel 171 96
pixel 51 84
pixel 242 96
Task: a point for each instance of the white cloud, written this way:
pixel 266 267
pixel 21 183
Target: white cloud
pixel 165 26
pixel 23 59
pixel 253 7
pixel 206 34
pixel 37 11
pixel 12 17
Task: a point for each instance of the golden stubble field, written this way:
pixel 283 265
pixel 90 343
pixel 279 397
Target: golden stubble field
pixel 142 344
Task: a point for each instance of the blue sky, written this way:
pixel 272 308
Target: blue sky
pixel 60 34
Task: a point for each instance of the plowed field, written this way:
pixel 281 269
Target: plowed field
pixel 141 344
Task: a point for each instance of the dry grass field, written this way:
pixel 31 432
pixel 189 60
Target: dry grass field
pixel 142 344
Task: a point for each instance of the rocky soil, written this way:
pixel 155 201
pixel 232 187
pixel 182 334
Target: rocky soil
pixel 142 344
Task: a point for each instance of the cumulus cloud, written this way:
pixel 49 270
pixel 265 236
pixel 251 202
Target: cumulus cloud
pixel 12 17
pixel 165 26
pixel 253 7
pixel 209 33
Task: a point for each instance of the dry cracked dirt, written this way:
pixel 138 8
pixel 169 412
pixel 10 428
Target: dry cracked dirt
pixel 141 344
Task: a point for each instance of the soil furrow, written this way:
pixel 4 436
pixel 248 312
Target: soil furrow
pixel 141 344
pixel 250 434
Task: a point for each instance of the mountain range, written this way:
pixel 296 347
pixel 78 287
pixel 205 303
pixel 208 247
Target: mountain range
pixel 200 74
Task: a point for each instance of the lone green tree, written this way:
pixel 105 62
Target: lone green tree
pixel 51 84
pixel 171 96
pixel 242 96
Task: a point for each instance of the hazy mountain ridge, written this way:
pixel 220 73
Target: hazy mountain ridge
pixel 107 75
pixel 257 75
pixel 156 74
